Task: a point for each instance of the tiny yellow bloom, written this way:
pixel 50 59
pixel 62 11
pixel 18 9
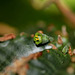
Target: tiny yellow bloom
pixel 37 38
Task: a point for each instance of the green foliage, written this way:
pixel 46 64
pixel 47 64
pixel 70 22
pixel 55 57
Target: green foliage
pixel 25 18
pixel 21 46
pixel 65 49
pixel 50 63
pixel 53 62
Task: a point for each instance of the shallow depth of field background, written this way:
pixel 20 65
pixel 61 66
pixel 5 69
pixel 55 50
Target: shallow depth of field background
pixel 22 15
pixel 25 16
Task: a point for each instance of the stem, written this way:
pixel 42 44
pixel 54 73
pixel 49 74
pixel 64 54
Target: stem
pixel 66 11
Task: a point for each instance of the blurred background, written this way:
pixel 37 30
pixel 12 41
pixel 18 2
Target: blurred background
pixel 28 15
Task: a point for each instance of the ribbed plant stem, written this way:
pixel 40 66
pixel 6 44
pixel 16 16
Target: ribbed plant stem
pixel 70 16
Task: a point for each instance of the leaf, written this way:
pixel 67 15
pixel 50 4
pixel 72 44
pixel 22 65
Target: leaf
pixel 53 62
pixel 49 63
pixel 22 46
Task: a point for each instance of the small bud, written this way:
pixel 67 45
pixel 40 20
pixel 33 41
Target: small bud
pixel 74 52
pixel 60 40
pixel 53 46
pixel 70 51
pixel 32 35
pixel 40 32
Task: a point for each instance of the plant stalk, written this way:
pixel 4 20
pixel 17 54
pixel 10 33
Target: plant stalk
pixel 70 16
